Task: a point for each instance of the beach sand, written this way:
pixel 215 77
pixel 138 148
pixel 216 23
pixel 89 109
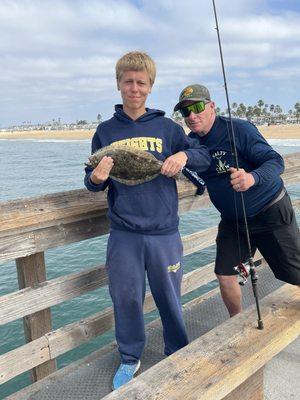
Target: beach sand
pixel 57 135
pixel 269 132
pixel 280 131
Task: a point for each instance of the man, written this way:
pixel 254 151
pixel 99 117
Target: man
pixel 271 219
pixel 144 233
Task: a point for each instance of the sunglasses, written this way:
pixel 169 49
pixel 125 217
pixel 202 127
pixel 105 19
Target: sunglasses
pixel 196 108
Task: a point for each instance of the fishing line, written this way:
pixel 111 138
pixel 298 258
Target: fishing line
pixel 231 134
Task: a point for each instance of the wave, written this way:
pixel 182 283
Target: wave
pixel 284 142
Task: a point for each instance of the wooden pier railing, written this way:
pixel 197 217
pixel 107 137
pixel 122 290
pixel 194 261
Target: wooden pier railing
pixel 29 227
pixel 225 363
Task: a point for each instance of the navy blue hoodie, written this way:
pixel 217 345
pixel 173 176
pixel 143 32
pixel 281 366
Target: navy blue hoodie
pixel 150 207
pixel 255 155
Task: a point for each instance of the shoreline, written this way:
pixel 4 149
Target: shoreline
pixel 269 132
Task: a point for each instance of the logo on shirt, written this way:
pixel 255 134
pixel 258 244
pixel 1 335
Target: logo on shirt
pixel 142 143
pixel 174 268
pixel 222 165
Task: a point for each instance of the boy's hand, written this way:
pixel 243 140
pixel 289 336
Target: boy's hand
pixel 173 164
pixel 240 179
pixel 101 172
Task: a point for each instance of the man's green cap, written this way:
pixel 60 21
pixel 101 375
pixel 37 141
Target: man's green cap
pixel 193 93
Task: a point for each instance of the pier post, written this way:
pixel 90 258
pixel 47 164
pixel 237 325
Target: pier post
pixel 31 271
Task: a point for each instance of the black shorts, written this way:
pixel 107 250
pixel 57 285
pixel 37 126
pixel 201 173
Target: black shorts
pixel 274 233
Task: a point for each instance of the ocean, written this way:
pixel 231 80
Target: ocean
pixel 32 168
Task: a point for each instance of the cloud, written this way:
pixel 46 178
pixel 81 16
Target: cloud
pixel 57 58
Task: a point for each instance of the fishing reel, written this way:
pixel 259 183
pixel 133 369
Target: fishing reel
pixel 243 270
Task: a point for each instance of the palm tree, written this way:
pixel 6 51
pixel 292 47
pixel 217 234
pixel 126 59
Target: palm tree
pixel 233 108
pixel 277 111
pixel 249 113
pixel 290 117
pixel 241 110
pixel 297 112
pixel 262 112
pixel 257 113
pixel 260 103
pixel 272 107
pixel 177 117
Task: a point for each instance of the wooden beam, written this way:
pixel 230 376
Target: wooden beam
pixel 23 359
pixel 219 362
pixel 32 299
pixel 23 214
pixel 199 240
pixel 39 240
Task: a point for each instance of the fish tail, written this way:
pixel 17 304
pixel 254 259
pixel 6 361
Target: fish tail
pixel 180 176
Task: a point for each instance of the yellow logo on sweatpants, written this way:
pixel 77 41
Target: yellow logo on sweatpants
pixel 174 268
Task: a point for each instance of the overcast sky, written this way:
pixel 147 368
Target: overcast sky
pixel 58 56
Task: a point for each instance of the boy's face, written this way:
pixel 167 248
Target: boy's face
pixel 135 87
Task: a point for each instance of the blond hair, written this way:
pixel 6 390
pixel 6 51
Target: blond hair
pixel 136 61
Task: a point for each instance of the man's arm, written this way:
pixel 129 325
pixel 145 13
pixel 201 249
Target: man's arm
pixel 268 164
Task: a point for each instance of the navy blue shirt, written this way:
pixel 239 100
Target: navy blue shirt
pixel 150 207
pixel 255 155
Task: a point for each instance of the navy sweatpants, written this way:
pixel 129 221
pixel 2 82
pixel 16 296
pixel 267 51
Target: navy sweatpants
pixel 129 257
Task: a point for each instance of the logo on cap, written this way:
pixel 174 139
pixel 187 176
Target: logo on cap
pixel 187 92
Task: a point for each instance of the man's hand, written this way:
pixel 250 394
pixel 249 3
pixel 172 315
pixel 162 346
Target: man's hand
pixel 173 164
pixel 101 172
pixel 240 179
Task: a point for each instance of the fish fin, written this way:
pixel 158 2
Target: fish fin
pixel 129 182
pixel 180 176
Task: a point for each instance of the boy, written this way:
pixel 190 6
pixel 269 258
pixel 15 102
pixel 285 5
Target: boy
pixel 144 218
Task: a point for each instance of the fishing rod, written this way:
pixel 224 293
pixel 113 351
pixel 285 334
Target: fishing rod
pixel 247 268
